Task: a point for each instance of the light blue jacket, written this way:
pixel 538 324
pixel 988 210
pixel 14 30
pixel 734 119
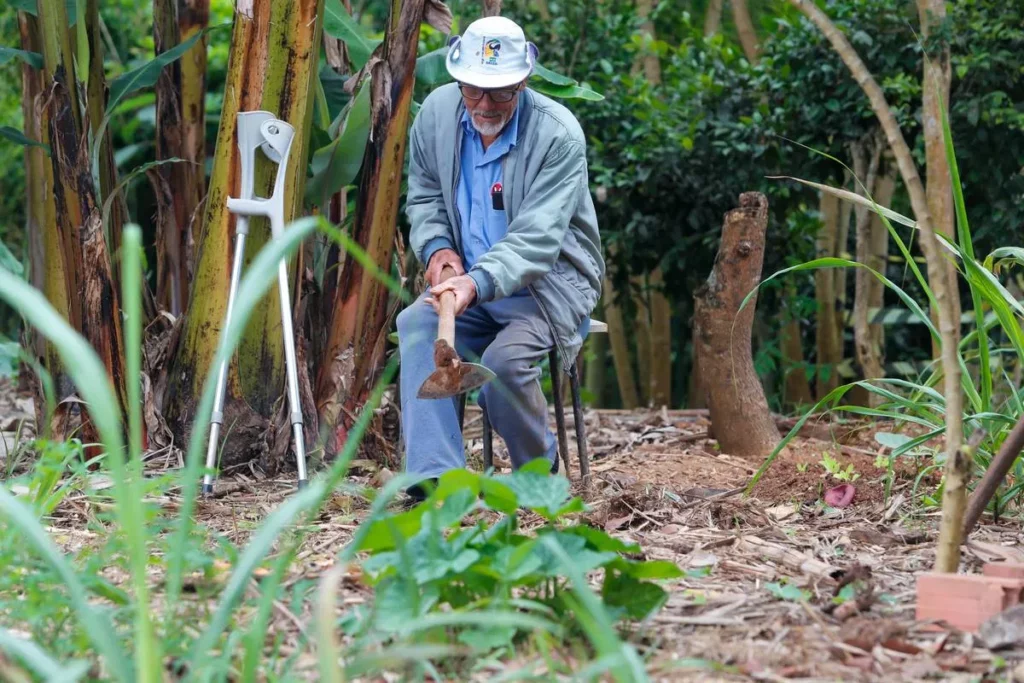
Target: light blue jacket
pixel 552 246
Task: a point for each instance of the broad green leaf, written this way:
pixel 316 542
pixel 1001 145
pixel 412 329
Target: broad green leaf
pixel 584 560
pixel 487 639
pixel 455 481
pixel 16 136
pixel 33 59
pixel 10 261
pixel 515 563
pixel 552 77
pixel 455 508
pixel 593 617
pixel 890 440
pixel 601 540
pixel 566 92
pixel 378 537
pixel 146 76
pixel 651 569
pixel 498 496
pixel 431 69
pixel 542 493
pixel 639 599
pixel 787 591
pixel 338 23
pixel 394 606
pixel 337 164
pixel 334 91
pixel 32 7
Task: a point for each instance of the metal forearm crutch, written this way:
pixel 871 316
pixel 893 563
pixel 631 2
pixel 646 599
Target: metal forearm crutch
pixel 260 130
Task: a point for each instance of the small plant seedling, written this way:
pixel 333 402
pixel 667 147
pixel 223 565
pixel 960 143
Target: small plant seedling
pixel 832 466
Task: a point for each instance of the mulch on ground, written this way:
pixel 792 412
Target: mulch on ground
pixel 763 569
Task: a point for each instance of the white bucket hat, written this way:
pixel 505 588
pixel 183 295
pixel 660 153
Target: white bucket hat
pixel 492 53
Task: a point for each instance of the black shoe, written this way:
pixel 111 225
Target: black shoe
pixel 418 492
pixel 554 467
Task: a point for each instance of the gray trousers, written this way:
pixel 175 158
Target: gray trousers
pixel 509 336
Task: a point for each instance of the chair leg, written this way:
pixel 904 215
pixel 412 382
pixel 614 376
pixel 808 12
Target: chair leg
pixel 556 394
pixel 488 443
pixel 581 428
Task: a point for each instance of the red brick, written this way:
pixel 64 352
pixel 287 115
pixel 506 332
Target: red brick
pixel 965 601
pixel 1005 570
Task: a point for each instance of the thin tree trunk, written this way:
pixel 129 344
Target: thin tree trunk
pixel 745 29
pixel 92 296
pixel 659 379
pixel 842 250
pixel 938 183
pixel 828 340
pixel 272 66
pixel 713 17
pixel 885 187
pixel 37 225
pixel 193 16
pixel 957 468
pixel 492 8
pixel 642 334
pixel 620 346
pixel 169 180
pixel 358 324
pixel 797 388
pixel 742 421
pixel 868 356
pixel 97 104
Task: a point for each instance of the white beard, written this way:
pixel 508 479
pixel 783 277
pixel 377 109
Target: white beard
pixel 491 127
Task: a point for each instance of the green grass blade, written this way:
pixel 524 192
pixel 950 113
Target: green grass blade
pixel 310 499
pixel 967 247
pixel 259 276
pixel 205 645
pixel 257 632
pixel 40 661
pixel 594 619
pixel 99 632
pixel 94 385
pixel 832 396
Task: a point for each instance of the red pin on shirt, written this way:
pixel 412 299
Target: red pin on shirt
pixel 497 198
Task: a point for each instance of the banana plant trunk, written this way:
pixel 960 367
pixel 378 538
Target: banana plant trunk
pixel 175 187
pixel 92 298
pixel 46 264
pixel 193 16
pixel 358 323
pixel 272 66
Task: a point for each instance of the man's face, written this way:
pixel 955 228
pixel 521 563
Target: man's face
pixel 490 110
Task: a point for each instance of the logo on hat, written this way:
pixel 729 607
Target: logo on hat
pixel 491 49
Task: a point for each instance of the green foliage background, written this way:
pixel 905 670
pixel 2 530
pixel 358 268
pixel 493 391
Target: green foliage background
pixel 671 161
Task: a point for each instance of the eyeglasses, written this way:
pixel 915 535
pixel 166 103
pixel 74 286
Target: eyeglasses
pixel 501 96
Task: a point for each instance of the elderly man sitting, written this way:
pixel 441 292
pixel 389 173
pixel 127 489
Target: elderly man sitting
pixel 498 190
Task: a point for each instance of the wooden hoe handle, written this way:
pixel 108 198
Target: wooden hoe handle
pixel 446 320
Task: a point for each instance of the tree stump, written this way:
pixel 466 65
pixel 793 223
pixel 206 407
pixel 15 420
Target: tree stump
pixel 740 416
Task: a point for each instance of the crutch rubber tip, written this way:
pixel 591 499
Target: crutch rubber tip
pixel 303 483
pixel 207 489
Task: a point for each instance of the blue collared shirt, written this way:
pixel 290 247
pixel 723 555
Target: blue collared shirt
pixel 480 173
